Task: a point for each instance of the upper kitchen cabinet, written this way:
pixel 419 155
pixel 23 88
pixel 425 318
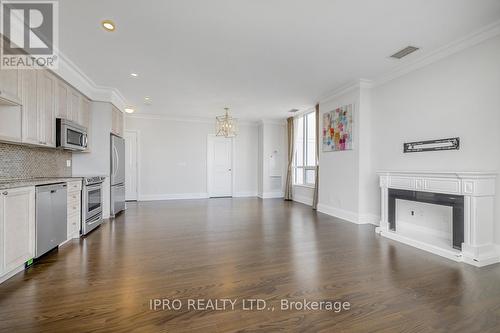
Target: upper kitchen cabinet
pixel 74 106
pixel 71 104
pixel 10 86
pixel 29 108
pixel 62 100
pixel 43 97
pixel 85 112
pixel 46 102
pixel 38 107
pixel 117 122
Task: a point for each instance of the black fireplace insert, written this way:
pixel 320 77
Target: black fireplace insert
pixel 454 201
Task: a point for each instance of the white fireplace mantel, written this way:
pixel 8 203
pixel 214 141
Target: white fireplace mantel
pixel 478 191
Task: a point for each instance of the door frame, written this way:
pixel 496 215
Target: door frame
pixel 138 164
pixel 210 140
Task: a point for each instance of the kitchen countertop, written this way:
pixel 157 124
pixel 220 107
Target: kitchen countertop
pixel 13 183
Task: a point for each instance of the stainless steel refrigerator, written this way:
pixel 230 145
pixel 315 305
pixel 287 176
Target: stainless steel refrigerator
pixel 117 174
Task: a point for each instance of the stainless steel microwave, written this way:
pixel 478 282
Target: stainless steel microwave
pixel 70 135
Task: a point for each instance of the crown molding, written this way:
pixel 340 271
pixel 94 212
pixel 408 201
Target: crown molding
pixel 281 122
pixel 345 89
pixel 483 34
pixel 202 120
pixel 72 74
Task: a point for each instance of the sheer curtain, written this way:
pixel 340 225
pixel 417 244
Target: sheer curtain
pixel 289 172
pixel 316 183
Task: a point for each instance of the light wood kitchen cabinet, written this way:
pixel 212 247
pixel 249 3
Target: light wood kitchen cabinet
pixel 117 122
pixel 43 98
pixel 38 107
pixel 62 100
pixel 74 209
pixel 46 101
pixel 17 228
pixel 10 86
pixel 74 105
pixel 71 104
pixel 29 107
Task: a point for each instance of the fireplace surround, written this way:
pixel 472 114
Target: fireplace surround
pixel 471 195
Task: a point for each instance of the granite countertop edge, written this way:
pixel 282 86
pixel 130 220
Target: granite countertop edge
pixel 15 183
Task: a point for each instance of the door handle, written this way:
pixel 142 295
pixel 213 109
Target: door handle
pixel 115 153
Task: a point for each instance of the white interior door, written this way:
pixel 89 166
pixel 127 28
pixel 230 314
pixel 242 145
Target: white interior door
pixel 130 165
pixel 220 161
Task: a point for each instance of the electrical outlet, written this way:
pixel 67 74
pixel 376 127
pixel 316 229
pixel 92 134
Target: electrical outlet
pixel 68 163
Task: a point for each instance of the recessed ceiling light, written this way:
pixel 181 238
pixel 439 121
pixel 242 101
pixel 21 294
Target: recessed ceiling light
pixel 129 110
pixel 108 25
pixel 147 100
pixel 134 74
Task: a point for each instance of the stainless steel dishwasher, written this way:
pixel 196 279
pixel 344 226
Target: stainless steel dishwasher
pixel 51 217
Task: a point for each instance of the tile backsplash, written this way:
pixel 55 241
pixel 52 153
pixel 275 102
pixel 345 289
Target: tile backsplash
pixel 31 162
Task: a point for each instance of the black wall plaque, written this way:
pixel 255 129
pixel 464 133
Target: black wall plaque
pixel 432 145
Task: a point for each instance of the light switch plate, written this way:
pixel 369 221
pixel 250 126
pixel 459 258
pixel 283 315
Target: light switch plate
pixel 68 163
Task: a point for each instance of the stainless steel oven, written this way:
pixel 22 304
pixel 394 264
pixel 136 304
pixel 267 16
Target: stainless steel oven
pixel 70 135
pixel 92 201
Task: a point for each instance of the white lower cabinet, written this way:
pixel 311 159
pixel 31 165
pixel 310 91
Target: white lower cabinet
pixel 74 208
pixel 17 228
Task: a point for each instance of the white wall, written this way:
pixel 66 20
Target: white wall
pixel 272 137
pixel 457 96
pixel 246 161
pixel 339 171
pixel 173 158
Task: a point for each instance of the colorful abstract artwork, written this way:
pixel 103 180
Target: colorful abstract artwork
pixel 337 129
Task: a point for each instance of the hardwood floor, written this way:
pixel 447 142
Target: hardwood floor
pixel 245 249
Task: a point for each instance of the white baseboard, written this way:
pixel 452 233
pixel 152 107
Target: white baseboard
pixel 172 196
pixel 349 216
pixel 188 196
pixel 271 195
pixel 339 213
pixel 244 194
pixel 303 199
pixel 369 219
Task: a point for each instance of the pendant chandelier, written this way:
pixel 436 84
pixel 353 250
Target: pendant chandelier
pixel 226 125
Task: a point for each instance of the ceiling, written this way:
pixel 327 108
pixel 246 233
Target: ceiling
pixel 259 57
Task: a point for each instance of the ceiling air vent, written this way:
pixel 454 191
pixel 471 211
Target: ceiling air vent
pixel 404 52
pixel 293 110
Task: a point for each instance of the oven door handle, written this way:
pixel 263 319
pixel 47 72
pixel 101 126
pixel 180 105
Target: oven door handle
pixel 93 220
pixel 93 187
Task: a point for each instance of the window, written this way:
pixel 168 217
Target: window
pixel 305 150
